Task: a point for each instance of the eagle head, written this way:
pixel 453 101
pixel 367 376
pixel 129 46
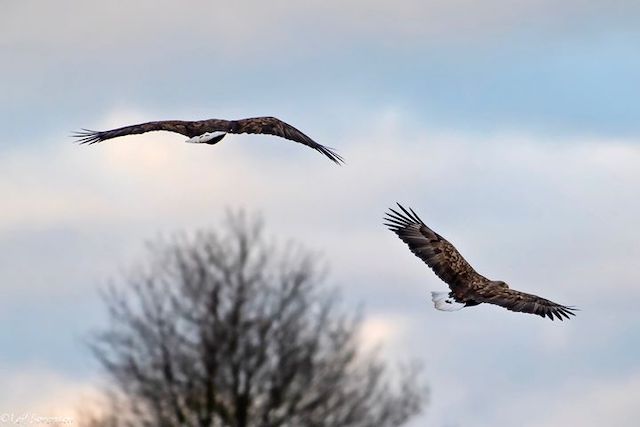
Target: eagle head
pixel 500 284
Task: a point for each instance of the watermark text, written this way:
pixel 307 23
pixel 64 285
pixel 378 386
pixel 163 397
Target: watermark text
pixel 33 419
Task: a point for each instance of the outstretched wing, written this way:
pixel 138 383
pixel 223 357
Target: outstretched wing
pixel 274 126
pixel 190 129
pixel 526 303
pixel 443 258
pixel 263 125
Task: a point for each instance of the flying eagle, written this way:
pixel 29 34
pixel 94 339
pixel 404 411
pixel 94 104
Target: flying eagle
pixel 468 287
pixel 212 131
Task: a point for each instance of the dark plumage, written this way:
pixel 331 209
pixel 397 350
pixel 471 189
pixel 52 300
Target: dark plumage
pixel 468 287
pixel 192 129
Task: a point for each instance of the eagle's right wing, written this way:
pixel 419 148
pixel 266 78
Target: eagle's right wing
pixel 86 136
pixel 443 258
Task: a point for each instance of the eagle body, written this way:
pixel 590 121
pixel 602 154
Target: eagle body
pixel 211 131
pixel 467 287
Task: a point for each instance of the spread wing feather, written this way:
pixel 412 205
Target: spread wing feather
pixel 522 302
pixel 255 125
pixel 452 268
pixel 87 136
pixel 274 126
pixel 440 255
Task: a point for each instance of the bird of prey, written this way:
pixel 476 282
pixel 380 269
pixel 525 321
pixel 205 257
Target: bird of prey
pixel 468 287
pixel 212 131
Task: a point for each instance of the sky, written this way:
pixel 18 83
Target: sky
pixel 511 128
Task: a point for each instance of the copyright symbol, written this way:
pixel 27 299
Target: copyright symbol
pixel 5 418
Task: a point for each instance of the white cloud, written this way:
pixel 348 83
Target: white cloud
pixel 554 217
pixel 380 330
pixel 542 204
pixel 613 403
pixel 584 403
pixel 38 392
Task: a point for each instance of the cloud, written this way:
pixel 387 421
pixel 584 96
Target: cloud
pixel 38 392
pixel 383 330
pixel 97 28
pixel 587 403
pixel 554 216
pixel 514 190
pixel 534 65
pixel 605 403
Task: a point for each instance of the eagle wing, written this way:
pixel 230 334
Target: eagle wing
pixel 276 127
pixel 440 255
pixel 256 125
pixel 190 129
pixel 522 302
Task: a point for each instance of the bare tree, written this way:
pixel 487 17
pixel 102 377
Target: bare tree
pixel 229 329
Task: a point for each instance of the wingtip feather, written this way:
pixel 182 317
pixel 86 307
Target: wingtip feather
pixel 331 154
pixel 86 136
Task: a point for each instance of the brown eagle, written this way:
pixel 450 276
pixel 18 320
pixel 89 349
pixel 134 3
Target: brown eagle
pixel 212 131
pixel 468 287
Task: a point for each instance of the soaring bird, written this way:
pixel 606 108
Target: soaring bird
pixel 468 287
pixel 212 131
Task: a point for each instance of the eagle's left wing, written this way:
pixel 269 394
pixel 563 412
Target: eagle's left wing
pixel 275 126
pixel 522 302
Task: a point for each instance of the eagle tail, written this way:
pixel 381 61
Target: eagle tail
pixel 210 138
pixel 445 302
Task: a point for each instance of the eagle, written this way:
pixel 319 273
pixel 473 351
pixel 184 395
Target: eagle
pixel 212 131
pixel 468 287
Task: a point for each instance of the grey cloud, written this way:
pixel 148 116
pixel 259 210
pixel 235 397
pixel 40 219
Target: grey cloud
pixel 259 27
pixel 539 214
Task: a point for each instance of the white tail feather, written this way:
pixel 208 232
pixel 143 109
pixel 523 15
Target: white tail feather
pixel 205 137
pixel 442 301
